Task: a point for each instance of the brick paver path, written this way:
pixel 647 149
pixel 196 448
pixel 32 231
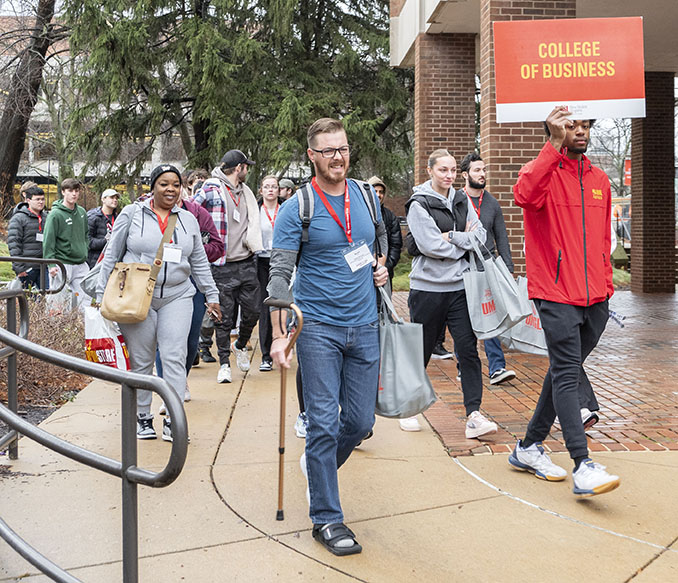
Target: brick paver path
pixel 634 372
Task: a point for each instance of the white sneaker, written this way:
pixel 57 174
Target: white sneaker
pixel 224 374
pixel 534 459
pixel 409 424
pixel 301 425
pixel 588 418
pixel 304 470
pixel 162 410
pixel 241 357
pixel 477 424
pixel 592 479
pixel 187 395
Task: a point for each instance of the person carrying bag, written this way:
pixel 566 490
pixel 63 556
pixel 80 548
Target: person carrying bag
pixel 163 248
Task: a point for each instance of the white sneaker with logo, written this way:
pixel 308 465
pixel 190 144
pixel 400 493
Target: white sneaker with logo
pixel 410 424
pixel 224 374
pixel 534 459
pixel 591 479
pixel 242 359
pixel 477 424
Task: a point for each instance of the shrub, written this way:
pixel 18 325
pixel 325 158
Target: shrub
pixel 40 383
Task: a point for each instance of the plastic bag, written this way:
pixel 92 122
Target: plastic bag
pixel 104 343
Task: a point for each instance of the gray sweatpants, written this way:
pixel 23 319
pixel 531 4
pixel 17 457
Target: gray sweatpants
pixel 166 327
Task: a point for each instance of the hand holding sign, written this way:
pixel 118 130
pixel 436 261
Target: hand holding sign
pixel 557 123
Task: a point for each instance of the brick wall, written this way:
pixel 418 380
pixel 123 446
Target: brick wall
pixel 396 6
pixel 507 147
pixel 444 97
pixel 653 264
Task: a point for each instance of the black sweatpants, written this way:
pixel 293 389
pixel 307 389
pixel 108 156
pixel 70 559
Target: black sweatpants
pixel 265 328
pixel 572 332
pixel 435 309
pixel 238 284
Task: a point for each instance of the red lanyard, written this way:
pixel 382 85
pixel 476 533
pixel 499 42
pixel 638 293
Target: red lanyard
pixel 39 220
pixel 347 209
pixel 162 223
pixel 480 201
pixel 275 214
pixel 235 202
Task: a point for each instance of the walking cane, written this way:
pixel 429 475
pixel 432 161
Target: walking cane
pixel 283 389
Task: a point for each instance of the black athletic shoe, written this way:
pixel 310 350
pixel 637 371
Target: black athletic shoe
pixel 439 353
pixel 206 355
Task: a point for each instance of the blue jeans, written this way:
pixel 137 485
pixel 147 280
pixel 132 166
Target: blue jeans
pixel 495 355
pixel 340 373
pixel 193 334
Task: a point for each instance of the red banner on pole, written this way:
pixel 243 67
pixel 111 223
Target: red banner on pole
pixel 595 66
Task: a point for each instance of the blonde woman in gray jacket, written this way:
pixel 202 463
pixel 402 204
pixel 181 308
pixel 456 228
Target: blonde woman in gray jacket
pixel 169 317
pixel 442 224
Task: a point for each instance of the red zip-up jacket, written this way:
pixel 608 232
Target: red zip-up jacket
pixel 566 211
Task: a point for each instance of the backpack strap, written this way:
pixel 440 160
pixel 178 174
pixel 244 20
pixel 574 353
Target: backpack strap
pixel 306 202
pixel 369 200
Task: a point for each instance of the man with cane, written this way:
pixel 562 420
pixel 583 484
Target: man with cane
pixel 338 347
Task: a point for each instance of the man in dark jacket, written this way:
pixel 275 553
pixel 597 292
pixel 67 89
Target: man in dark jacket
pixel 24 237
pixel 567 212
pixel 100 224
pixel 395 237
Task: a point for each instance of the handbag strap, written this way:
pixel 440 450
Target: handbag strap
pixel 166 236
pixel 387 305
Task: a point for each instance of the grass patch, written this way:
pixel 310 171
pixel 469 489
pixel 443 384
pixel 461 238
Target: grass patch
pixel 6 273
pixel 401 273
pixel 620 278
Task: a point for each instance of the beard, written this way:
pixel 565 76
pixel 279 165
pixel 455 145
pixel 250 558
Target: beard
pixel 474 184
pixel 581 150
pixel 325 174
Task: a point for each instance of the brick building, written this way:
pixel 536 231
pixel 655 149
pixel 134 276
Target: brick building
pixel 449 42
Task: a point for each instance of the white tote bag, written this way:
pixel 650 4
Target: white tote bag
pixel 527 335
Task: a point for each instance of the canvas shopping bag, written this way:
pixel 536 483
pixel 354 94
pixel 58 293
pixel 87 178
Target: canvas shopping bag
pixel 492 296
pixel 527 335
pixel 404 387
pixel 104 343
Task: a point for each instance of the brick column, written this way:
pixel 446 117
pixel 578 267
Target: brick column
pixel 506 148
pixel 444 97
pixel 653 262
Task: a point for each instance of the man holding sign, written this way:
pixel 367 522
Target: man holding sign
pixel 566 209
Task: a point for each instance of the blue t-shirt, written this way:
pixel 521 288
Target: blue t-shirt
pixel 325 288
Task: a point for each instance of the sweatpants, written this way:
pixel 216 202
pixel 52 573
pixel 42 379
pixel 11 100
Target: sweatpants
pixel 572 332
pixel 238 284
pixel 166 327
pixel 433 310
pixel 72 294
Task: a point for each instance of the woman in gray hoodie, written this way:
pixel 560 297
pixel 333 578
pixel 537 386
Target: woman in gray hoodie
pixel 169 317
pixel 441 224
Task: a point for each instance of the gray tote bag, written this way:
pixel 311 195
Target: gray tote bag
pixel 492 296
pixel 527 335
pixel 404 387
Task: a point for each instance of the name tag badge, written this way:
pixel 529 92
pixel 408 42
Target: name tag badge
pixel 171 253
pixel 236 215
pixel 358 256
pixel 38 237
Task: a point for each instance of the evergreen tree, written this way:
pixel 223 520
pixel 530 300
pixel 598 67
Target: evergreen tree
pixel 228 74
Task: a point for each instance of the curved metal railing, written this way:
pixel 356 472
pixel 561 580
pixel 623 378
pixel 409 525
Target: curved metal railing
pixel 126 468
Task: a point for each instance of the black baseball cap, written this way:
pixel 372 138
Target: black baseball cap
pixel 158 170
pixel 234 157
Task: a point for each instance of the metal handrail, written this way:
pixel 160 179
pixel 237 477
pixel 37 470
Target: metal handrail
pixel 41 261
pixel 126 469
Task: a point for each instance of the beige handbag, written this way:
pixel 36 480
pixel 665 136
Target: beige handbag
pixel 129 289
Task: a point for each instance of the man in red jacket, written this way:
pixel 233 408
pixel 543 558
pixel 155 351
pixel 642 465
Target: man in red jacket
pixel 566 209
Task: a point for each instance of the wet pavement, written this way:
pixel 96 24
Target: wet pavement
pixel 633 372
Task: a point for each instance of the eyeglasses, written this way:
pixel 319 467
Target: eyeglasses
pixel 332 152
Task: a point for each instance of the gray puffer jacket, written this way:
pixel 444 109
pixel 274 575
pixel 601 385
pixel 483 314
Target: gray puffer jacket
pixel 22 238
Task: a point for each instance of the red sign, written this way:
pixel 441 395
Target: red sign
pixel 627 172
pixel 595 66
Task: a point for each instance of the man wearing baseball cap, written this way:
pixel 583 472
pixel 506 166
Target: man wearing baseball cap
pixel 235 213
pixel 100 223
pixel 286 188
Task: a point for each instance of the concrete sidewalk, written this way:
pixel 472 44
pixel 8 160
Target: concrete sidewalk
pixel 420 514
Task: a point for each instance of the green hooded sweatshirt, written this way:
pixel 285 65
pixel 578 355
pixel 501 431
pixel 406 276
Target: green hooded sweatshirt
pixel 66 234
